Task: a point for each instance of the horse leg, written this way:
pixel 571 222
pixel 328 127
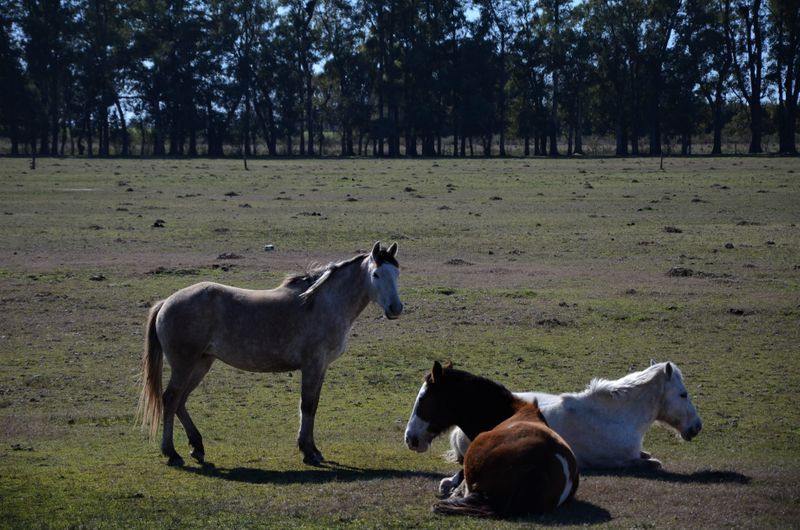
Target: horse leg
pixel 646 462
pixel 448 485
pixel 310 388
pixel 195 439
pixel 172 397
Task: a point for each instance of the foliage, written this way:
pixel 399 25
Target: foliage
pixel 274 77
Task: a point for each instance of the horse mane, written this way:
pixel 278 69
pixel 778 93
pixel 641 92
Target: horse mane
pixel 315 276
pixel 628 385
pixel 487 402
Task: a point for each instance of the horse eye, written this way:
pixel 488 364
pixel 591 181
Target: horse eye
pixel 684 395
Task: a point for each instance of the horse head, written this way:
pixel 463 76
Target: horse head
pixel 676 408
pixel 432 412
pixel 383 271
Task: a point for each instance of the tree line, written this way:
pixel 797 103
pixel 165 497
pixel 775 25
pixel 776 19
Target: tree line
pixel 393 77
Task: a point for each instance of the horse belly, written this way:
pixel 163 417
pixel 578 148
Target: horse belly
pixel 596 441
pixel 256 358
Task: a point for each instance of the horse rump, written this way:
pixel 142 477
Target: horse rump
pixel 473 504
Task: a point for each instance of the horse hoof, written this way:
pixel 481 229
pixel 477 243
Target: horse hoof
pixel 199 456
pixel 446 487
pixel 175 461
pixel 313 460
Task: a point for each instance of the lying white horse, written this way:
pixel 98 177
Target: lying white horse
pixel 605 424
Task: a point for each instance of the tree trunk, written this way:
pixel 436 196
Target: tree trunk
pixel 716 113
pixel 788 144
pixel 569 140
pixel 123 123
pixel 14 139
pixel 552 122
pixel 621 134
pixel 142 140
pixel 246 124
pixel 309 111
pixel 502 126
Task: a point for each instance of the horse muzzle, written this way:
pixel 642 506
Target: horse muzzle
pixel 692 431
pixel 393 311
pixel 415 443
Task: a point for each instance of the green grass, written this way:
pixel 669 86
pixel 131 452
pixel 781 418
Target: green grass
pixel 540 274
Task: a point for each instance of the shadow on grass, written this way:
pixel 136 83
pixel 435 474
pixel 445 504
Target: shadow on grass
pixel 327 472
pixel 706 476
pixel 574 513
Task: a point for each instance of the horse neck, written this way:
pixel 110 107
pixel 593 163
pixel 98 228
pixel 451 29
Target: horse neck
pixel 482 405
pixel 345 292
pixel 640 406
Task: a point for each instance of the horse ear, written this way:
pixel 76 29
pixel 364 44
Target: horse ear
pixel 449 365
pixel 375 249
pixel 652 362
pixel 393 249
pixel 668 370
pixel 436 372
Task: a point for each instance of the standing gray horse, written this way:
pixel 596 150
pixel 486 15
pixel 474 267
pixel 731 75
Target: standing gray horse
pixel 301 325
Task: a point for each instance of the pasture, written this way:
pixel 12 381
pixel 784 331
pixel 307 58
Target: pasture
pixel 540 274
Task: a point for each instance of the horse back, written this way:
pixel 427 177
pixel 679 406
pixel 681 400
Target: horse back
pixel 250 329
pixel 522 466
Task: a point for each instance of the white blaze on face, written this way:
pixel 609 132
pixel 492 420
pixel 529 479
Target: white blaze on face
pixel 417 437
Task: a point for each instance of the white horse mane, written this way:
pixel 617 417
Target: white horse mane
pixel 318 275
pixel 628 384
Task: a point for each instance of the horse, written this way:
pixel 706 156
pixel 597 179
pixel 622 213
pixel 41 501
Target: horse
pixel 516 465
pixel 605 424
pixel 302 324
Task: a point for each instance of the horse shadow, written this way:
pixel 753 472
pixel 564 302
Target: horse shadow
pixel 576 512
pixel 705 476
pixel 326 472
pixel 573 513
pixel 580 512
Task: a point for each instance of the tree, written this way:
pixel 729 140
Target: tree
pixel 15 102
pixel 577 69
pixel 497 24
pixel 784 37
pixel 48 52
pixel 745 41
pixel 341 40
pixel 554 13
pixel 103 65
pixel 703 40
pixel 616 48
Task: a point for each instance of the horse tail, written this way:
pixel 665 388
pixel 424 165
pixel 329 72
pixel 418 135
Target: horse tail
pixel 150 405
pixel 474 504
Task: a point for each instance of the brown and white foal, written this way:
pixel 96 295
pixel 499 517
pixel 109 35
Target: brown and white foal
pixel 515 465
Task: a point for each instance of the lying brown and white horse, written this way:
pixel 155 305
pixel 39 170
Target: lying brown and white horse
pixel 515 465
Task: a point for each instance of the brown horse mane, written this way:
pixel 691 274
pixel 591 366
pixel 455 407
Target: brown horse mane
pixel 488 401
pixel 466 378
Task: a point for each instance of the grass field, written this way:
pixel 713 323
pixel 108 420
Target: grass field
pixel 540 274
